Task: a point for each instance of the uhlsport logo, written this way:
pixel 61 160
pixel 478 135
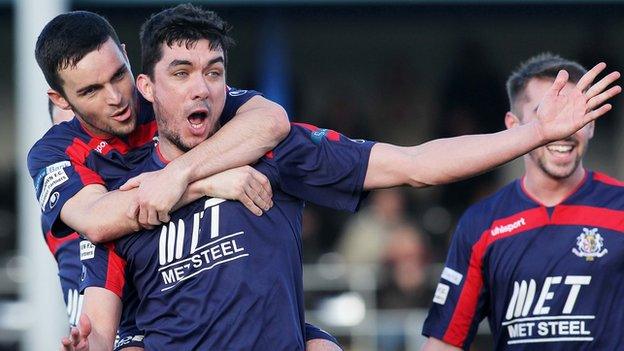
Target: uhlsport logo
pixel 180 261
pixel 532 318
pixel 507 228
pixel 590 244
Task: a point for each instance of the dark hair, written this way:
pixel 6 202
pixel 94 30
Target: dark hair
pixel 68 38
pixel 183 24
pixel 545 65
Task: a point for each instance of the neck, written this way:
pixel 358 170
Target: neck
pixel 168 150
pixel 551 191
pixel 91 130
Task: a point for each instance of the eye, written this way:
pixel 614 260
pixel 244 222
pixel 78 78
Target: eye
pixel 214 74
pixel 119 75
pixel 181 74
pixel 88 91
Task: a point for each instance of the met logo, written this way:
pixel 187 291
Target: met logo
pixel 172 235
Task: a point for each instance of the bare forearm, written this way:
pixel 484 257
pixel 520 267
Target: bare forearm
pixel 444 161
pixel 242 141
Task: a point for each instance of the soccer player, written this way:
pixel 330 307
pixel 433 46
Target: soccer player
pixel 215 277
pixel 541 258
pixel 88 72
pixel 83 60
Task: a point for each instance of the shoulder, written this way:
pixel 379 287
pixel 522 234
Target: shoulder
pixel 56 141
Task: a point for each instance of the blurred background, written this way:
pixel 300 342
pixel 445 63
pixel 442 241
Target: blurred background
pixel 399 71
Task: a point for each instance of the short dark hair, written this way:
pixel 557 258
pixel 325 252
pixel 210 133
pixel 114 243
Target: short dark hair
pixel 68 38
pixel 183 24
pixel 545 65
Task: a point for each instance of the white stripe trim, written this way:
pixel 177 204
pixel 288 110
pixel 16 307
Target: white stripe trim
pixel 533 341
pixel 546 318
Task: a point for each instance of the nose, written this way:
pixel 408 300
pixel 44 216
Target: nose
pixel 113 95
pixel 200 90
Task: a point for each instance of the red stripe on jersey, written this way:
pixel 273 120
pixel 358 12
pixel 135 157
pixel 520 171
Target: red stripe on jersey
pixel 307 126
pixel 143 134
pixel 331 134
pixel 54 243
pixel 115 271
pixel 589 216
pixel 603 178
pixel 269 155
pixel 464 312
pixel 77 153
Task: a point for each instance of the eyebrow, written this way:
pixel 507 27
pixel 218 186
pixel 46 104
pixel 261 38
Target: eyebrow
pixel 175 63
pixel 80 91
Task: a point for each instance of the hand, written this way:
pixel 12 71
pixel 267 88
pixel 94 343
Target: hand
pixel 562 113
pixel 158 192
pixel 321 345
pixel 78 336
pixel 244 184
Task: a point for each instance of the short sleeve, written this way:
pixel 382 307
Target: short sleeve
pixel 57 167
pixel 322 166
pixel 234 99
pixel 460 300
pixel 102 267
pixel 313 332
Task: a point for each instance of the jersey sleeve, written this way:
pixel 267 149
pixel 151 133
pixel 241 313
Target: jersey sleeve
pixel 102 267
pixel 460 300
pixel 234 99
pixel 313 332
pixel 322 166
pixel 57 167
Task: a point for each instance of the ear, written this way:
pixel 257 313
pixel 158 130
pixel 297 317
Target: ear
pixel 145 85
pixel 511 120
pixel 58 100
pixel 125 53
pixel 590 129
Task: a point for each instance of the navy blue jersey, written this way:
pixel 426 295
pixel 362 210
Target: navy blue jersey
pixel 66 159
pixel 217 277
pixel 547 278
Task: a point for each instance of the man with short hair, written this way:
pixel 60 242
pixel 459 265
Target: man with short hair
pixel 88 72
pixel 541 258
pixel 216 278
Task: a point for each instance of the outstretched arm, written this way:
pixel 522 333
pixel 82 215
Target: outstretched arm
pixel 443 161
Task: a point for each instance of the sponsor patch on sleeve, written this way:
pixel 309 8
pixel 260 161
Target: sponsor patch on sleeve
pixel 441 294
pixel 452 275
pixel 87 250
pixel 51 182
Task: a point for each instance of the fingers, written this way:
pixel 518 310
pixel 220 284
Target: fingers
pixel 66 344
pixel 602 84
pixel 259 190
pixel 84 323
pixel 163 216
pixel 152 217
pixel 593 115
pixel 251 206
pixel 131 183
pixel 74 336
pixel 558 84
pixel 598 100
pixel 589 77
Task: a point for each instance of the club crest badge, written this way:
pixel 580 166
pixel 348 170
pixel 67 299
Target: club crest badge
pixel 589 244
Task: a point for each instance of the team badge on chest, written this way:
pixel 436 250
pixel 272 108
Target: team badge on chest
pixel 590 244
